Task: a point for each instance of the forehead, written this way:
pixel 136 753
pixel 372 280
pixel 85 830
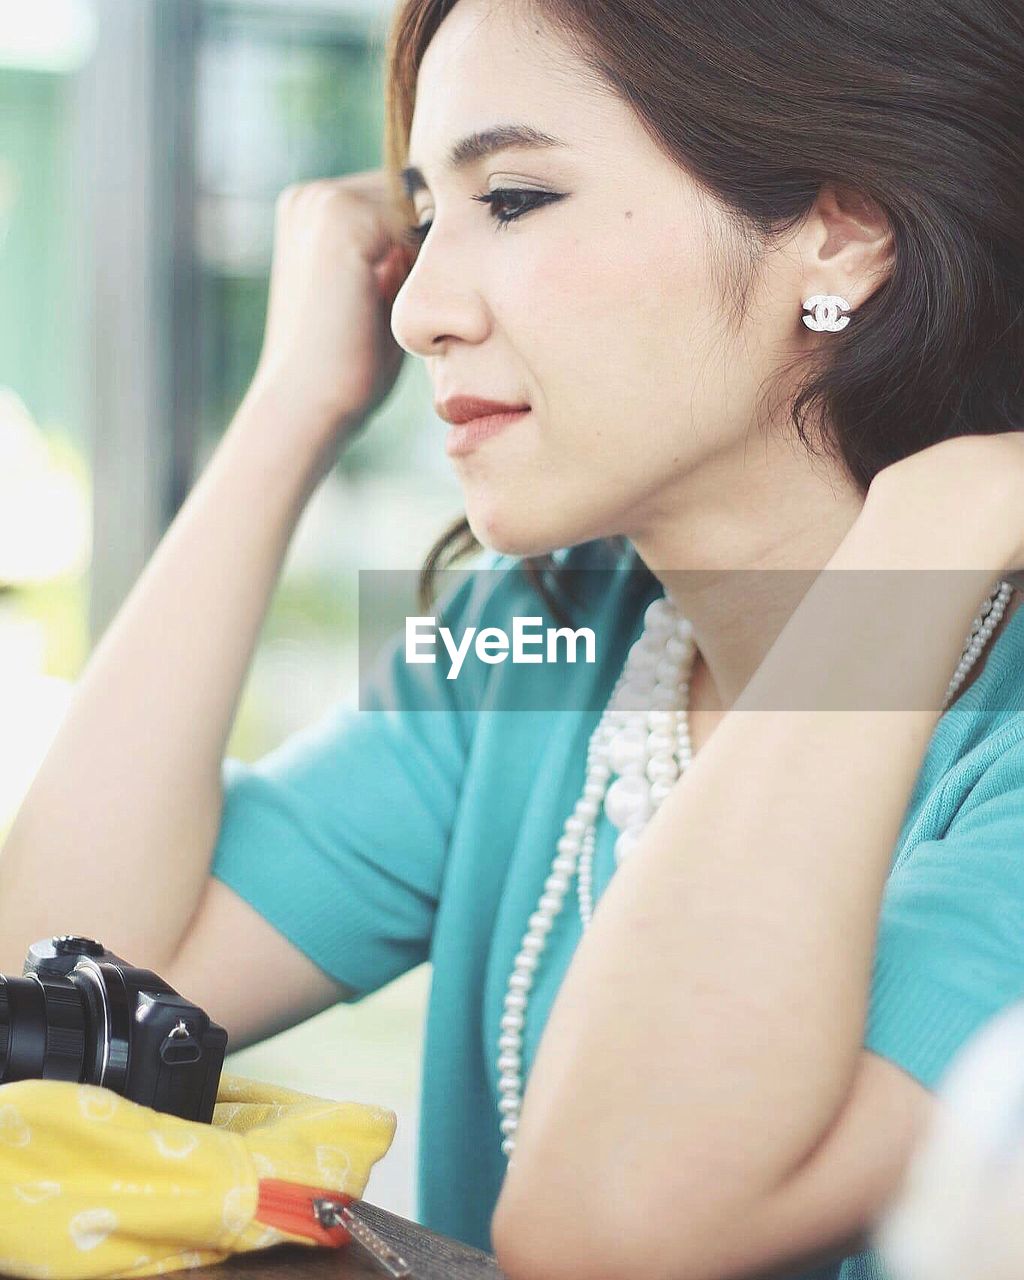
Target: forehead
pixel 490 62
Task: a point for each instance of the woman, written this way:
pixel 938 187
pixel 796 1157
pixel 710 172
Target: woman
pixel 742 1050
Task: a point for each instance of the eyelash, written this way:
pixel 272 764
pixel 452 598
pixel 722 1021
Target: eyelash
pixel 532 199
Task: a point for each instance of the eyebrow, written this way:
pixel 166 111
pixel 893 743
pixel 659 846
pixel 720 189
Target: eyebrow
pixel 475 146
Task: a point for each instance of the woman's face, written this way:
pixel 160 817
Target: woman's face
pixel 606 307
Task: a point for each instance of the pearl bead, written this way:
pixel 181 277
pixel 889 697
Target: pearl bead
pixel 625 844
pixel 627 748
pixel 663 698
pixel 659 791
pixel 587 808
pixel 641 680
pixel 660 616
pixel 662 769
pixel 628 801
pixel 667 672
pixel 635 694
pixel 643 657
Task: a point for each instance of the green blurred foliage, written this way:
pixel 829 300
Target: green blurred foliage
pixel 326 92
pixel 40 305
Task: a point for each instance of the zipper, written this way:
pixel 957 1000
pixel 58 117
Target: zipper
pixel 324 1216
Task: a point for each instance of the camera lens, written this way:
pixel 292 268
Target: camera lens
pixel 44 1029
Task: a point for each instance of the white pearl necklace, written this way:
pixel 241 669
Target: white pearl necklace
pixel 644 738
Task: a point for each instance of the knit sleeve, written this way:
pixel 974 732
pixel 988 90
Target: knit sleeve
pixel 950 947
pixel 339 837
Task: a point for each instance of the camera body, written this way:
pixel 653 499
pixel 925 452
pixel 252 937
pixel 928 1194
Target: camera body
pixel 82 1013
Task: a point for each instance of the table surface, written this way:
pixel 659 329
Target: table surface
pixel 430 1257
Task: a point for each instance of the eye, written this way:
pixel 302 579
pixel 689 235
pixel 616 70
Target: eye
pixel 416 234
pixel 520 200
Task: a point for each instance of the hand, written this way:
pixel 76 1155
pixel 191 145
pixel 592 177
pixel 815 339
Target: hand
pixel 975 478
pixel 339 260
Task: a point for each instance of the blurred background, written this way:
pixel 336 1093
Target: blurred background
pixel 142 146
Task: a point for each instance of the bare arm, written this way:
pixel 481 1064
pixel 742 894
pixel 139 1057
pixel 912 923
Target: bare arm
pixel 126 806
pixel 117 832
pixel 756 890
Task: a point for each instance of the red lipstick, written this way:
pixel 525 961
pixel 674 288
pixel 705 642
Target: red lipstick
pixel 475 419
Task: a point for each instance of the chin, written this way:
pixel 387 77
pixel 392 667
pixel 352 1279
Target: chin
pixel 511 534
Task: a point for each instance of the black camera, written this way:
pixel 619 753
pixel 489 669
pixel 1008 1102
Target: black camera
pixel 81 1013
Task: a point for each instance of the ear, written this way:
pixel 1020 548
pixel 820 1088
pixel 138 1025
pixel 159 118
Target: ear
pixel 848 245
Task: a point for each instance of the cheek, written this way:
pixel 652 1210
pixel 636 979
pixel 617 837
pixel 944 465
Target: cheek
pixel 542 294
pixel 609 303
pixel 624 343
pixel 613 339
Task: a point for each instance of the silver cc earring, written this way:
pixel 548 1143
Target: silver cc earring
pixel 829 313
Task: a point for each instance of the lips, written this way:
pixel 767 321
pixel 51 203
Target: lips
pixel 459 409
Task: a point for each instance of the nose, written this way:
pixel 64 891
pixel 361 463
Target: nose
pixel 437 303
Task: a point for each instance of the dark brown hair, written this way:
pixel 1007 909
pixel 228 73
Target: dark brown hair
pixel 762 102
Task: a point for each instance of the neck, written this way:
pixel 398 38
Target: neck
pixel 743 555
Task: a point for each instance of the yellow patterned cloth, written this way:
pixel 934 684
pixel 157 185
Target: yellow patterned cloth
pixel 92 1184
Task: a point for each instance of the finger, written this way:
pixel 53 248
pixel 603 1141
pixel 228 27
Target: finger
pixel 392 271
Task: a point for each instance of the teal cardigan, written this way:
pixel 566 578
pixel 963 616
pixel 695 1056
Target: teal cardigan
pixel 422 827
